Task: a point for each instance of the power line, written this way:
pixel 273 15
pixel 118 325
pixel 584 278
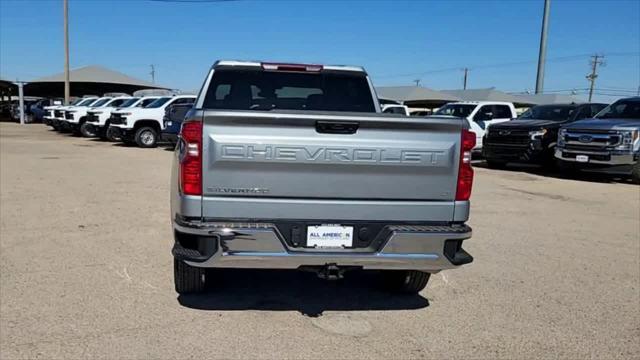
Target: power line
pixel 194 1
pixel 619 88
pixel 421 73
pixel 505 64
pixel 623 54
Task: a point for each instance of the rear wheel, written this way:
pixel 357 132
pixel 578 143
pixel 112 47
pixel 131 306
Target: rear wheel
pixel 87 130
pixel 146 137
pixel 635 173
pixel 405 281
pixel 188 279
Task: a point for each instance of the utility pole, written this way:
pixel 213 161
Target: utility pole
pixel 595 61
pixel 466 71
pixel 417 81
pixel 67 92
pixel 542 56
pixel 153 74
pixel 21 100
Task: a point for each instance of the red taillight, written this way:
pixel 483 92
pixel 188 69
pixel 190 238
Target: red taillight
pixel 292 67
pixel 191 158
pixel 465 171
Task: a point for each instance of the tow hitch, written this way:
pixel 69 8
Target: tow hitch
pixel 331 272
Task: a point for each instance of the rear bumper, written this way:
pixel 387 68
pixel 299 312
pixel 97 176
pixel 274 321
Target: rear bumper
pixel 261 245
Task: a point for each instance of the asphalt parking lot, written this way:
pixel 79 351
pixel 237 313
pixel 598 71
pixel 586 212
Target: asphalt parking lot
pixel 86 271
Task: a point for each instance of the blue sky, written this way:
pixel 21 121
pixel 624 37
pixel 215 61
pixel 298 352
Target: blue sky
pixel 397 42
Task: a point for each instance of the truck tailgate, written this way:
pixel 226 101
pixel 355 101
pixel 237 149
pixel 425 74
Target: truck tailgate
pixel 295 159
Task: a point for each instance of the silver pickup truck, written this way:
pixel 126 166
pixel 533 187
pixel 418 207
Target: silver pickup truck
pixel 610 143
pixel 293 166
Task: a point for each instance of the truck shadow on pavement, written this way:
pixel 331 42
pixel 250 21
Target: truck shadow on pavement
pixel 287 290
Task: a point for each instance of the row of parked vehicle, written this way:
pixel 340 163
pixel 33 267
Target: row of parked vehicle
pixel 568 136
pixel 572 137
pixel 136 120
pixel 589 136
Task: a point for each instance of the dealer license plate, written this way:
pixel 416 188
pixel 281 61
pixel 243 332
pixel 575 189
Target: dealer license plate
pixel 330 236
pixel 582 158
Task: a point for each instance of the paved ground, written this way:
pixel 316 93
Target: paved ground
pixel 85 271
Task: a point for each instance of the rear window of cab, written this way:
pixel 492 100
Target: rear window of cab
pixel 271 90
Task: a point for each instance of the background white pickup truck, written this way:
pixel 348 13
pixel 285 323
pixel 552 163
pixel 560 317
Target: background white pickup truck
pixel 57 114
pixel 479 114
pixel 395 109
pixel 75 116
pixel 86 128
pixel 98 119
pixel 142 126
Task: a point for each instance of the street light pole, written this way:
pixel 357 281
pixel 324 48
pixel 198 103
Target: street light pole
pixel 543 47
pixel 66 51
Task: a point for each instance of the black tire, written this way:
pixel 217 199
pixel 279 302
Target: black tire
pixel 405 281
pixel 497 165
pixel 87 130
pixel 112 135
pixel 101 132
pixel 75 129
pixel 635 173
pixel 146 137
pixel 188 279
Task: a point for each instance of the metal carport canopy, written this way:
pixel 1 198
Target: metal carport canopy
pixel 7 89
pixel 489 94
pixel 544 99
pixel 87 80
pixel 416 96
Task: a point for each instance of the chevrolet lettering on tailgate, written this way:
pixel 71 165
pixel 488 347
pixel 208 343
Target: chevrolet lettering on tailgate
pixel 309 154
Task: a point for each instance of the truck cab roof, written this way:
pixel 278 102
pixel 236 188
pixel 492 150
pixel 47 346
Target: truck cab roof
pixel 481 103
pixel 286 66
